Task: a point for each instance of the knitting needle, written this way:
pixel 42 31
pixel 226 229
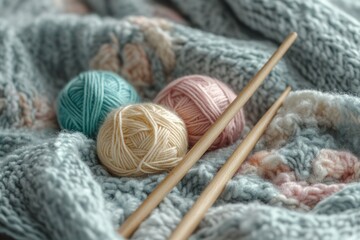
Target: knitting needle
pixel 174 176
pixel 207 198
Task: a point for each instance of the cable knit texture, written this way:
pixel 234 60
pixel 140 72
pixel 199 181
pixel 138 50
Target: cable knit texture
pixel 301 180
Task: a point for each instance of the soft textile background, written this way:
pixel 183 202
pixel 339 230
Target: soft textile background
pixel 301 182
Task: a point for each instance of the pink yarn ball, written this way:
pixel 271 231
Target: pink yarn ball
pixel 199 101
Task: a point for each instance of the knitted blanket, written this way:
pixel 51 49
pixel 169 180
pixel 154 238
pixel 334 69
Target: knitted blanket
pixel 301 180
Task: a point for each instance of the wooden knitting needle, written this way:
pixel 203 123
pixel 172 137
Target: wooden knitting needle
pixel 207 198
pixel 195 153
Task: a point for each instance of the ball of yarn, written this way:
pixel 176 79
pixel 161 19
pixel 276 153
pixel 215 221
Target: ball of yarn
pixel 87 99
pixel 141 139
pixel 199 101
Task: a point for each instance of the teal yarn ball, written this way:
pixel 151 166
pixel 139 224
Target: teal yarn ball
pixel 87 99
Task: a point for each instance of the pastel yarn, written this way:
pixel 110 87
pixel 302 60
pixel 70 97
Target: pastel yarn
pixel 141 139
pixel 199 101
pixel 87 99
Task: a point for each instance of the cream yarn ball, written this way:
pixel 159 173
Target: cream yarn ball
pixel 141 139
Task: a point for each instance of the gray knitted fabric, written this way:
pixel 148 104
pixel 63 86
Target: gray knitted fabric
pixel 300 182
